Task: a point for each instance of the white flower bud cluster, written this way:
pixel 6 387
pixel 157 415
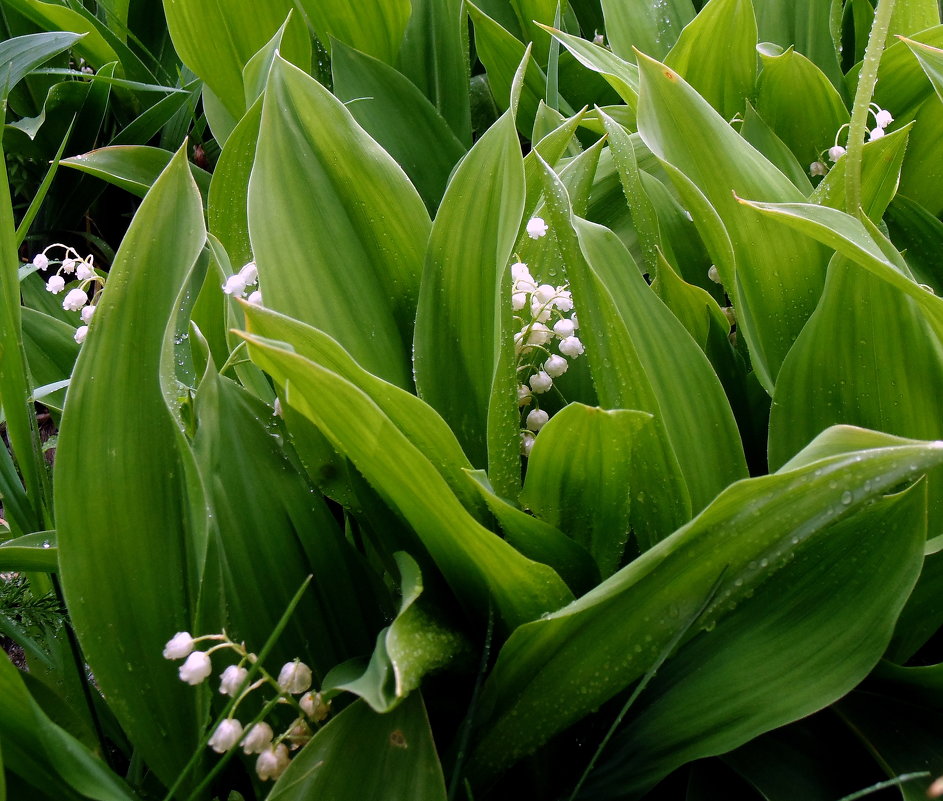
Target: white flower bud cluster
pixel 882 118
pixel 239 284
pixel 258 737
pixel 76 299
pixel 541 310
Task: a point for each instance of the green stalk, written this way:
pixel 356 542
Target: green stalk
pixel 867 78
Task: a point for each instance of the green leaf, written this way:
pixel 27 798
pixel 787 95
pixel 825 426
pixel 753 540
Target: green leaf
pixel 579 478
pixel 132 167
pixel 360 754
pixel 51 351
pixel 30 552
pixel 694 307
pixel 716 54
pixel 920 236
pixel 912 16
pixel 480 567
pixel 57 19
pixel 809 633
pixel 123 566
pixel 931 60
pixel 22 54
pixel 922 174
pixel 360 283
pixel 400 118
pixel 463 343
pixel 759 134
pixel 651 28
pixel 753 535
pixel 800 104
pixel 215 39
pixel 374 27
pixel 902 84
pixel 778 275
pixel 416 643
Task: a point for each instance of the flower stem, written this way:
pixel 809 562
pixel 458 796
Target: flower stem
pixel 867 79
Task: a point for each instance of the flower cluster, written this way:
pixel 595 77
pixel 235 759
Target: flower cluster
pixel 541 310
pixel 239 283
pixel 882 118
pixel 87 280
pixel 258 737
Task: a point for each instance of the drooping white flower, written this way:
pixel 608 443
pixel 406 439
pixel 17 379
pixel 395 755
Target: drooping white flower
pixel 272 762
pixel 519 270
pixel 539 334
pixel 563 300
pixel 539 311
pixel 536 227
pixel 576 323
pixel 294 677
pixel 882 118
pixel 525 284
pixel 300 734
pixel 537 419
pixel 196 668
pixel 518 301
pixel 179 646
pixel 55 284
pixel 564 328
pixel 80 333
pixel 87 313
pixel 231 679
pixel 258 738
pixel 527 442
pixel 314 706
pixel 877 133
pixel 556 366
pixel 572 347
pixel 250 274
pixel 835 152
pixel 255 298
pixel 524 395
pixel 714 274
pixel 40 261
pixel 84 271
pixel 68 266
pixel 235 285
pixel 540 382
pixel 227 734
pixel 545 293
pixel 74 300
pixel 817 168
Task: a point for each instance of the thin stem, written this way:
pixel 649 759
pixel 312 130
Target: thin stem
pixel 867 79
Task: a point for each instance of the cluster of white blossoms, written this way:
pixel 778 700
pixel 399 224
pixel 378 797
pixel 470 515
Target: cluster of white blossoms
pixel 239 284
pixel 882 118
pixel 294 679
pixel 86 286
pixel 545 314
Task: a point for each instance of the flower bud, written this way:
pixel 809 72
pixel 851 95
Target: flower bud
pixel 232 679
pixel 537 419
pixel 572 347
pixel 817 168
pixel 84 271
pixel 255 298
pixel 294 677
pixel 227 734
pixel 300 734
pixel 80 333
pixel 877 133
pixel 315 707
pixel 883 118
pixel 87 313
pixel 196 668
pixel 178 646
pixel 555 366
pixel 74 300
pixel 55 284
pixel 68 266
pixel 835 152
pixel 258 738
pixel 564 328
pixel 714 274
pixel 527 442
pixel 40 261
pixel 523 395
pixel 272 762
pixel 536 228
pixel 540 382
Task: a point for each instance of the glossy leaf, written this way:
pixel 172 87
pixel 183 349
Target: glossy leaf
pixel 303 185
pixel 931 59
pixel 652 29
pixel 759 134
pixel 478 565
pixel 902 84
pixel 748 539
pixel 922 172
pixel 360 754
pixel 30 552
pixel 123 567
pixel 374 27
pixel 778 275
pixel 58 19
pixel 694 307
pixel 132 167
pixel 22 54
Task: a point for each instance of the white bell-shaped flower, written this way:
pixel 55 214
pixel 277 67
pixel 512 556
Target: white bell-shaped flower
pixel 572 347
pixel 817 168
pixel 87 313
pixel 314 706
pixel 540 382
pixel 564 328
pixel 519 270
pixel 249 274
pixel 232 679
pixel 255 298
pixel 294 677
pixel 74 300
pixel 227 734
pixel 537 419
pixel 518 301
pixel 55 284
pixel 527 442
pixel 68 266
pixel 524 395
pixel 196 668
pixel 555 366
pixel 536 227
pixel 258 738
pixel 538 334
pixel 877 133
pixel 883 118
pixel 835 153
pixel 235 285
pixel 80 333
pixel 179 646
pixel 40 261
pixel 84 271
pixel 272 762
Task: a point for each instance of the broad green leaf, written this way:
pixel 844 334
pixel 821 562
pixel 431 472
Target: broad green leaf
pixel 921 616
pixel 759 134
pixel 463 349
pixel 22 54
pixel 800 104
pixel 480 567
pixel 123 564
pixel 716 54
pixel 902 84
pixel 30 552
pixel 931 60
pixel 694 307
pixel 810 632
pixel 652 28
pixel 922 174
pixel 919 235
pixel 753 534
pixel 779 275
pixel 400 118
pixel 532 16
pixel 57 19
pixel 912 16
pixel 621 75
pixel 215 39
pixel 374 27
pixel 434 56
pixel 132 167
pixel 416 643
pixel 804 26
pixel 551 148
pixel 360 283
pixel 45 755
pixel 51 350
pixel 579 478
pixel 360 754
